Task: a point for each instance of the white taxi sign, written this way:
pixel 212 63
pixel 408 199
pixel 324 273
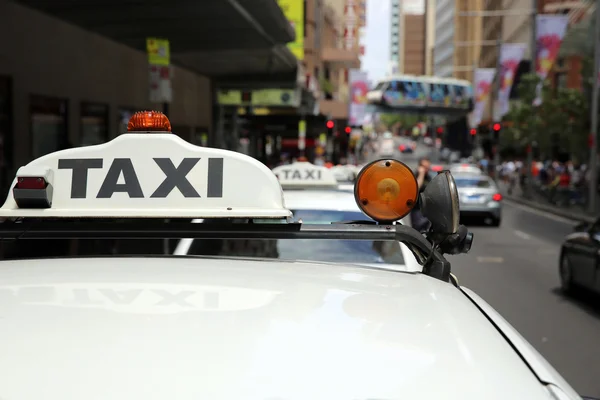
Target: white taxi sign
pixel 302 174
pixel 343 173
pixel 141 175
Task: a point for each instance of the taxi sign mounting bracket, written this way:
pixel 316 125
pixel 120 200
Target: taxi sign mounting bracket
pixel 71 228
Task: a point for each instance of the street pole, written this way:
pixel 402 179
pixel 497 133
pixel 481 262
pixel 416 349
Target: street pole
pixel 493 98
pixel 593 184
pixel 533 45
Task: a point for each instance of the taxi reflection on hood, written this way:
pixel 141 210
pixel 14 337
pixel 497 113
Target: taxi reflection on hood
pixel 142 299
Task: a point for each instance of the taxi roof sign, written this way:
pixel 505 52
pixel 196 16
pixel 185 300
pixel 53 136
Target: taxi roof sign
pixel 168 178
pixel 304 175
pixel 343 173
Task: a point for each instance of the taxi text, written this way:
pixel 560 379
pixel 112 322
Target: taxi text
pixel 175 177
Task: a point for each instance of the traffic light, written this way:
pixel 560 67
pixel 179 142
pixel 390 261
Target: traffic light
pixel 348 130
pixel 440 131
pixel 330 126
pixel 496 130
pixel 473 132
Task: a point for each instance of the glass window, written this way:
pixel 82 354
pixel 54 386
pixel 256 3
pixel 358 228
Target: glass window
pixel 380 86
pixel 123 116
pixel 48 125
pixel 472 183
pixel 94 124
pixel 350 251
pixel 344 251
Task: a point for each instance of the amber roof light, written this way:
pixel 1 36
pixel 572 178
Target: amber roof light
pixel 149 121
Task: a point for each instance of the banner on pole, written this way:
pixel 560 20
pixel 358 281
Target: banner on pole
pixel 483 84
pixel 550 31
pixel 359 86
pixel 510 57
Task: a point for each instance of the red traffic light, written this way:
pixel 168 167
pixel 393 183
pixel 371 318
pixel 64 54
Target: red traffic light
pixel 496 127
pixel 440 130
pixel 329 124
pixel 348 130
pixel 473 132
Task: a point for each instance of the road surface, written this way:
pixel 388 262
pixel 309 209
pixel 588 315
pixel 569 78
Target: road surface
pixel 515 269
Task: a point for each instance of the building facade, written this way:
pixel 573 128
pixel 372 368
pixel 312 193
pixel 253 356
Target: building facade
pixel 443 50
pixel 458 33
pixel 340 51
pixel 413 61
pixel 429 35
pixel 407 42
pixel 395 44
pixel 515 27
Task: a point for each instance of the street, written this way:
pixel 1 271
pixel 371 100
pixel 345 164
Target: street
pixel 515 269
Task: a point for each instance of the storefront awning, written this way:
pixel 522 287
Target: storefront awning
pixel 209 37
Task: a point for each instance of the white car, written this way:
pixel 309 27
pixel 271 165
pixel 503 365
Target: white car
pixel 387 147
pixel 221 327
pixel 323 203
pixel 465 168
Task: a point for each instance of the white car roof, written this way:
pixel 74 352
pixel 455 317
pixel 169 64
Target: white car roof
pixel 195 328
pixel 320 200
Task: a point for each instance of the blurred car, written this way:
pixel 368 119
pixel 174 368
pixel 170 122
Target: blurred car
pixel 479 198
pixel 406 148
pixel 387 148
pixel 435 169
pixel 465 168
pixel 454 157
pixel 345 175
pixel 578 267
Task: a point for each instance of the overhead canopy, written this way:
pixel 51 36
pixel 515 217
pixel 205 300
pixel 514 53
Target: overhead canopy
pixel 211 37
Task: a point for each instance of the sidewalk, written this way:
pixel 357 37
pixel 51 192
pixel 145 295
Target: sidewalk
pixel 576 213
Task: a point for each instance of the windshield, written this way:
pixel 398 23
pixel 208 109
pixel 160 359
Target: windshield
pixel 380 86
pixel 344 251
pixel 348 251
pixel 472 183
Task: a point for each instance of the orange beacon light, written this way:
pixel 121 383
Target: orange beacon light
pixel 386 190
pixel 149 121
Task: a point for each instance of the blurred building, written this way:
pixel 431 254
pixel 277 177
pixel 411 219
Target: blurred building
pixel 408 38
pixel 457 47
pixel 339 22
pixel 429 35
pixel 516 28
pixel 395 7
pixel 330 48
pixel 577 43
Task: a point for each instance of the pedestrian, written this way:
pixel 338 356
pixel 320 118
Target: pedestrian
pixel 417 219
